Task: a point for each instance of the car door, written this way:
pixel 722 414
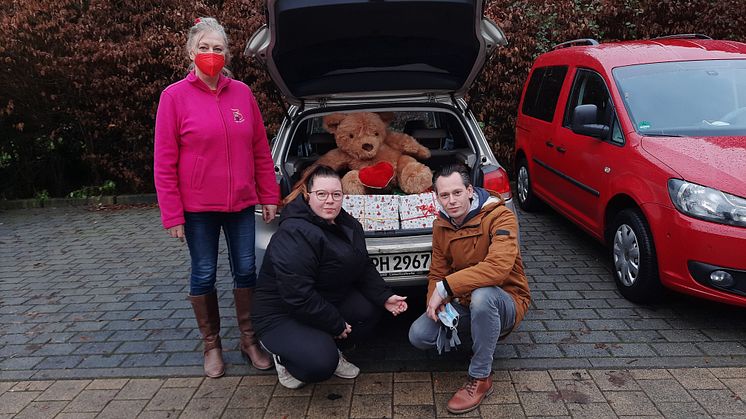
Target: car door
pixel 538 123
pixel 585 163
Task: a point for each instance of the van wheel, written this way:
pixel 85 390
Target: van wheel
pixel 635 266
pixel 526 199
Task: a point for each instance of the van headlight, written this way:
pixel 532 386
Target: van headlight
pixel 706 203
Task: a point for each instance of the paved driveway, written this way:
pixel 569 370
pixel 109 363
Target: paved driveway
pixel 88 294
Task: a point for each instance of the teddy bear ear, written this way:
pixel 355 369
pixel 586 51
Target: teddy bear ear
pixel 331 122
pixel 386 117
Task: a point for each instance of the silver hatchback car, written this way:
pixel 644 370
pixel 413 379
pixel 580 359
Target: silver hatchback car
pixel 413 59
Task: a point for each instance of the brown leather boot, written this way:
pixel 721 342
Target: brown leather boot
pixel 208 320
pixel 250 349
pixel 468 397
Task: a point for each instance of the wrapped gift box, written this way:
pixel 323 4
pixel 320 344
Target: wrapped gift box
pixel 355 206
pixel 418 210
pixel 381 212
pixel 375 212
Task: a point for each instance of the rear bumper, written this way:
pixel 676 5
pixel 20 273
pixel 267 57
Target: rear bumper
pixel 689 250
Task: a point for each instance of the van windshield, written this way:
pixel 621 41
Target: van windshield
pixel 697 98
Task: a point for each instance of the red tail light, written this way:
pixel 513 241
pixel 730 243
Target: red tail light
pixel 497 181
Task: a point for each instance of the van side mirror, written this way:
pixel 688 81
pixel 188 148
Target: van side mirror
pixel 584 122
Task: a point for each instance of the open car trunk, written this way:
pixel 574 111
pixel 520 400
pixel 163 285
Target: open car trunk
pixel 342 48
pixel 441 132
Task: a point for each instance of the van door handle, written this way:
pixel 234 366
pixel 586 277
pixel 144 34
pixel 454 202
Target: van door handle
pixel 561 149
pixel 549 144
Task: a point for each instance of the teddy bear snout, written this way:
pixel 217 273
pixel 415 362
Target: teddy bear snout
pixel 368 147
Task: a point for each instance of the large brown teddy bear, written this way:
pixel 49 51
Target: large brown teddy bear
pixel 376 157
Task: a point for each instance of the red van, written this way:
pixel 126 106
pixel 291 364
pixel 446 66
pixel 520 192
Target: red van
pixel 643 145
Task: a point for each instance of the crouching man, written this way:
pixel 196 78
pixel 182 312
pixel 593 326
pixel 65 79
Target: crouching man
pixel 476 266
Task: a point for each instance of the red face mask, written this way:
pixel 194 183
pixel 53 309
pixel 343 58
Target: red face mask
pixel 209 63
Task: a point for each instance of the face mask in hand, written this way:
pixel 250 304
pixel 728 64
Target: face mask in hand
pixel 209 63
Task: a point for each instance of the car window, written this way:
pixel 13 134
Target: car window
pixel 542 92
pixel 698 98
pixel 589 88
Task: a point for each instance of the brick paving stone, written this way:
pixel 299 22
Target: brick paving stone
pixel 144 360
pixel 259 380
pixel 614 380
pixel 697 379
pixel 287 407
pixel 107 384
pixel 63 390
pixel 193 382
pixel 736 385
pixel 14 402
pixel 541 404
pixel 101 361
pixel 650 374
pixel 97 348
pixel 170 399
pixel 223 387
pixel 377 383
pixel 250 397
pixel 41 410
pixel 412 376
pixel 330 400
pixel 54 362
pixel 122 409
pixel 532 381
pixel 371 406
pixel 664 391
pixel 204 408
pixel 722 348
pixel 139 389
pixel 680 410
pixel 414 412
pixel 92 401
pixel 676 349
pixel 30 385
pixel 20 363
pixel 502 411
pixel 632 403
pixel 252 413
pixel 720 402
pixel 582 392
pixel 413 393
pixel 591 410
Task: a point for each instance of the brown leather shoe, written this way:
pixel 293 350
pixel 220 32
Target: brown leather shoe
pixel 470 396
pixel 208 320
pixel 250 349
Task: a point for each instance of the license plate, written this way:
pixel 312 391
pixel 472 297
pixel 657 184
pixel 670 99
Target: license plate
pixel 402 263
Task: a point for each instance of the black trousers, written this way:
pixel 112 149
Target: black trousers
pixel 310 354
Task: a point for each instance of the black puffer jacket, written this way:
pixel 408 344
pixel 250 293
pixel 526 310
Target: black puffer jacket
pixel 310 266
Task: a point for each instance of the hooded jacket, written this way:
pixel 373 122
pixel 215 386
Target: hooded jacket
pixel 483 251
pixel 211 150
pixel 310 267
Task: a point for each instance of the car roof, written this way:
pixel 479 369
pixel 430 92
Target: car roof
pixel 618 54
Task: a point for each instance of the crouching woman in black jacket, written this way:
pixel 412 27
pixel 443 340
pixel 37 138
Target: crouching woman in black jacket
pixel 317 284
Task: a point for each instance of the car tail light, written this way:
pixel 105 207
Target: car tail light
pixel 497 180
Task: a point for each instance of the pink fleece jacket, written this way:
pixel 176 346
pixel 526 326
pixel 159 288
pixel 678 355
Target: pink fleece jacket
pixel 211 150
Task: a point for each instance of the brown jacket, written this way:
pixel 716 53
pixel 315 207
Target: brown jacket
pixel 481 253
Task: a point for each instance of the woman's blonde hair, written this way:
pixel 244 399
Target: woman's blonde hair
pixel 201 26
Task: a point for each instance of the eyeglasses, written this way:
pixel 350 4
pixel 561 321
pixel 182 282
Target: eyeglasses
pixel 322 195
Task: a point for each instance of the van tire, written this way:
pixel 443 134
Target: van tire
pixel 524 191
pixel 634 262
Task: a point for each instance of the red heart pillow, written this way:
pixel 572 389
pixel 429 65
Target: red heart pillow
pixel 377 176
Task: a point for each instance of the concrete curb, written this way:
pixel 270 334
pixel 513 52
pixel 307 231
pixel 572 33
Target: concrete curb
pixel 75 202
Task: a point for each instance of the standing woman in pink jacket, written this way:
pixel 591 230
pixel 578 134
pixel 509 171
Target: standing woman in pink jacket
pixel 212 166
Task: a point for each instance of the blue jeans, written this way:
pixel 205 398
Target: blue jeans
pixel 491 314
pixel 202 231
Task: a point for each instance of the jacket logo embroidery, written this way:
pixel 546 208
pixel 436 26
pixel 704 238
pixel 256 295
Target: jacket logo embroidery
pixel 237 117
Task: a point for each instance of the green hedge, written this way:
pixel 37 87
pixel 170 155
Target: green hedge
pixel 80 79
